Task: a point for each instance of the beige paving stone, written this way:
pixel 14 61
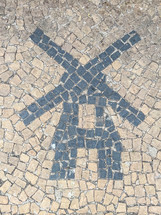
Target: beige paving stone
pixel 54 206
pixel 45 204
pixel 108 198
pixel 64 203
pixel 3 200
pixel 31 178
pixel 155 209
pixel 38 196
pixel 74 204
pixel 14 190
pixel 139 191
pixel 98 195
pixel 90 196
pixel 5 208
pixel 101 208
pixel 121 208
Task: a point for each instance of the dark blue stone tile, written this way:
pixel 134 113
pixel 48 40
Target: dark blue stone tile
pixel 82 84
pixel 125 38
pixel 108 161
pixel 66 156
pixel 118 176
pixel 24 114
pixel 57 100
pixel 100 144
pixel 99 122
pixel 71 175
pixel 99 76
pixel 38 32
pixel 99 67
pixel 65 64
pixel 91 144
pixel 91 90
pixel 75 109
pixel 87 76
pixel 116 156
pixel 136 122
pixel 64 118
pixel 110 50
pixel 108 92
pixel 33 107
pixel 67 107
pixel 81 131
pixel 64 77
pixel 94 61
pixel 60 50
pixel 61 125
pixel 105 135
pixel 58 155
pixel 108 152
pixel 73 153
pixel 65 164
pixel 58 59
pixel 132 32
pixel 74 97
pixel 131 118
pixel 45 39
pixel 115 96
pixel 107 61
pixel 91 100
pixel 124 113
pixel 65 95
pixel 56 167
pixel 49 106
pixel 77 90
pixel 36 39
pixel 81 142
pixel 62 174
pixel 102 173
pixel 95 82
pixel 101 154
pixel 133 110
pixel 42 101
pixel 102 86
pixel 52 52
pixel 81 70
pixel 102 164
pixel 125 47
pixel 71 69
pixel 108 143
pixel 29 119
pixel 72 143
pixel 99 111
pixel 102 101
pixel 112 128
pixel 71 130
pixel 123 103
pixel 141 116
pixel 49 96
pixel 75 121
pixel 58 135
pixel 102 55
pixel 90 133
pixel 75 78
pixel 109 175
pixel 75 62
pixel 69 84
pixel 68 56
pixel 115 136
pixel 113 105
pixel 118 147
pixel 115 55
pixel 61 146
pixel 39 113
pixel 53 44
pixel 82 99
pixel 98 132
pixel 116 166
pixel 118 44
pixel 93 70
pixel 88 65
pixel 59 89
pixel 72 163
pixel 119 108
pixel 43 46
pixel 56 176
pixel 108 123
pixel 136 38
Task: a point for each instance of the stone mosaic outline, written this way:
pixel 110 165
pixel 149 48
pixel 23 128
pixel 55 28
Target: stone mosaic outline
pixel 77 78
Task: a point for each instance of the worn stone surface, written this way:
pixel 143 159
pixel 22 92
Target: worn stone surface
pixel 28 155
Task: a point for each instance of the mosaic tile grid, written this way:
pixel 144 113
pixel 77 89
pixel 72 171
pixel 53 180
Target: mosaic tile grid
pixel 77 149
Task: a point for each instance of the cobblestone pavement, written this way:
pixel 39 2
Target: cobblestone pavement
pixel 80 107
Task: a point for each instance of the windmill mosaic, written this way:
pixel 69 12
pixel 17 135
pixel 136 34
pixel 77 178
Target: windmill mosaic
pixel 87 88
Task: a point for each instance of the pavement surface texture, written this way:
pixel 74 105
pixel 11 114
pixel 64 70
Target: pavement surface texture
pixel 80 107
